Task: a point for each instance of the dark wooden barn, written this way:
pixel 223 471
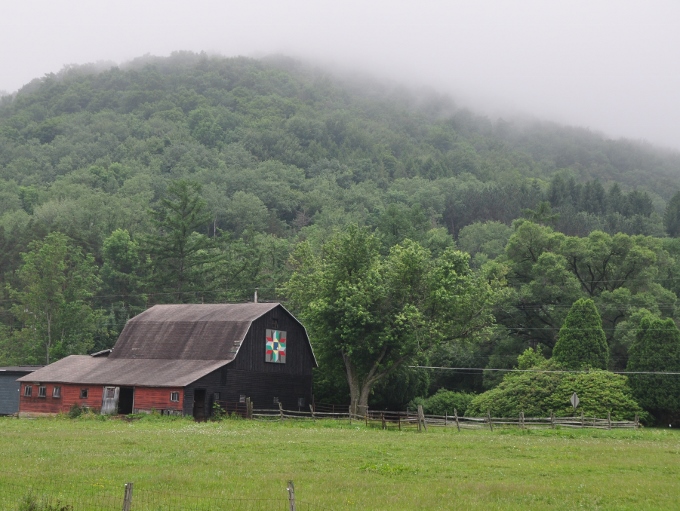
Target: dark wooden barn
pixel 181 359
pixel 9 387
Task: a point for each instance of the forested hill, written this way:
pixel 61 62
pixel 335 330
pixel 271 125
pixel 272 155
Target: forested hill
pixel 86 151
pixel 279 152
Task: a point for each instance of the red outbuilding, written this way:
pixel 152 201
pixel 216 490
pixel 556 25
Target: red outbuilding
pixel 181 359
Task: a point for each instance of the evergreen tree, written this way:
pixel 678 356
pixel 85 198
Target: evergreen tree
pixel 582 342
pixel 671 217
pixel 656 348
pixel 182 259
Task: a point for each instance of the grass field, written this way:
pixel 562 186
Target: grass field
pixel 338 466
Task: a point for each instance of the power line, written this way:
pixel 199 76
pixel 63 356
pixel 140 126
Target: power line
pixel 461 369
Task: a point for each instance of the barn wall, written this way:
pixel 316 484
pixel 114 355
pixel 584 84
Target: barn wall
pixel 70 394
pixel 157 398
pixel 262 388
pixel 251 355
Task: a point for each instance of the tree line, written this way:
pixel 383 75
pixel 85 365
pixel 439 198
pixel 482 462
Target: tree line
pixel 200 179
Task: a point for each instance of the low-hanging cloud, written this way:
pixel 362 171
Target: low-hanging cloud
pixel 610 65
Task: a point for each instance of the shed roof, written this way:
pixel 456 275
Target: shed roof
pixel 188 331
pixel 19 369
pixel 87 370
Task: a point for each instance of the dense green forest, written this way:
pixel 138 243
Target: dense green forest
pixel 201 179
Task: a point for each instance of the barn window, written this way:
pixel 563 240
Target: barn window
pixel 83 393
pixel 242 398
pixel 276 400
pixel 301 402
pixel 275 323
pixel 42 391
pixel 56 392
pixel 174 397
pixel 110 393
pixel 28 391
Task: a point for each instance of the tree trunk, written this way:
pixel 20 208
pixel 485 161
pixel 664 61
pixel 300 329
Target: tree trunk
pixel 49 338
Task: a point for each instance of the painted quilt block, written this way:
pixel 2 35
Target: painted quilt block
pixel 276 347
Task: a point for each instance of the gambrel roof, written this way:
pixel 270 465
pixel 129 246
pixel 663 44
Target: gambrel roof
pixel 165 346
pixel 188 331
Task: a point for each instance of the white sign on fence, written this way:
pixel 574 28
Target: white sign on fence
pixel 574 400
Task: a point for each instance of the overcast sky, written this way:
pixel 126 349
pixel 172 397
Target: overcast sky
pixel 608 65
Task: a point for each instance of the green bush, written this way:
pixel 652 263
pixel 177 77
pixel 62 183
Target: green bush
pixel 75 411
pixel 444 402
pixel 538 393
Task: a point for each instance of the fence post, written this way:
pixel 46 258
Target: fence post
pixel 366 415
pixel 399 421
pixel 350 415
pixel 609 420
pixel 291 495
pixel 281 410
pixel 521 420
pixel 248 408
pixel 582 419
pixel 455 416
pixel 421 418
pixel 552 419
pixel 382 417
pixel 127 499
pixel 488 416
pixel 311 408
pixel 446 419
pixel 637 421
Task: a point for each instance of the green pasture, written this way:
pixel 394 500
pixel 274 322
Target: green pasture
pixel 338 466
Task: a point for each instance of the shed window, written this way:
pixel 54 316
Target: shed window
pixel 301 402
pixel 276 400
pixel 174 397
pixel 42 391
pixel 242 398
pixel 28 391
pixel 83 393
pixel 56 392
pixel 110 392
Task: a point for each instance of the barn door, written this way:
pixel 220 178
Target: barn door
pixel 199 404
pixel 110 400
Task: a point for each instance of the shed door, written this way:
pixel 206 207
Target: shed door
pixel 110 400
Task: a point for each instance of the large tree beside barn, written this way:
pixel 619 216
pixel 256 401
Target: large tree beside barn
pixel 373 313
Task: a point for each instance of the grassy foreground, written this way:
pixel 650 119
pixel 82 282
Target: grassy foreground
pixel 338 466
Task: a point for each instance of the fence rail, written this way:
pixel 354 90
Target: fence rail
pixel 409 418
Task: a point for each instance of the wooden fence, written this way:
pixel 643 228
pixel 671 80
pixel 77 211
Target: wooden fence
pixel 417 419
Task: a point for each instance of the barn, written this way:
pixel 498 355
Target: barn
pixel 180 359
pixel 9 387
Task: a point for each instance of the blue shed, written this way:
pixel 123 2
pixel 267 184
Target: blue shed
pixel 9 387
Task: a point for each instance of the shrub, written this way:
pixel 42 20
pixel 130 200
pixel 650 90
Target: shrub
pixel 538 393
pixel 75 411
pixel 444 402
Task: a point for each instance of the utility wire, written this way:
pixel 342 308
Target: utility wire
pixel 538 370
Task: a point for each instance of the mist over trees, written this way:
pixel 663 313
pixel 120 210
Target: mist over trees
pixel 195 179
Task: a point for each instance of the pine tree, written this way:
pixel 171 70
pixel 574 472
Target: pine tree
pixel 582 342
pixel 183 260
pixel 671 216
